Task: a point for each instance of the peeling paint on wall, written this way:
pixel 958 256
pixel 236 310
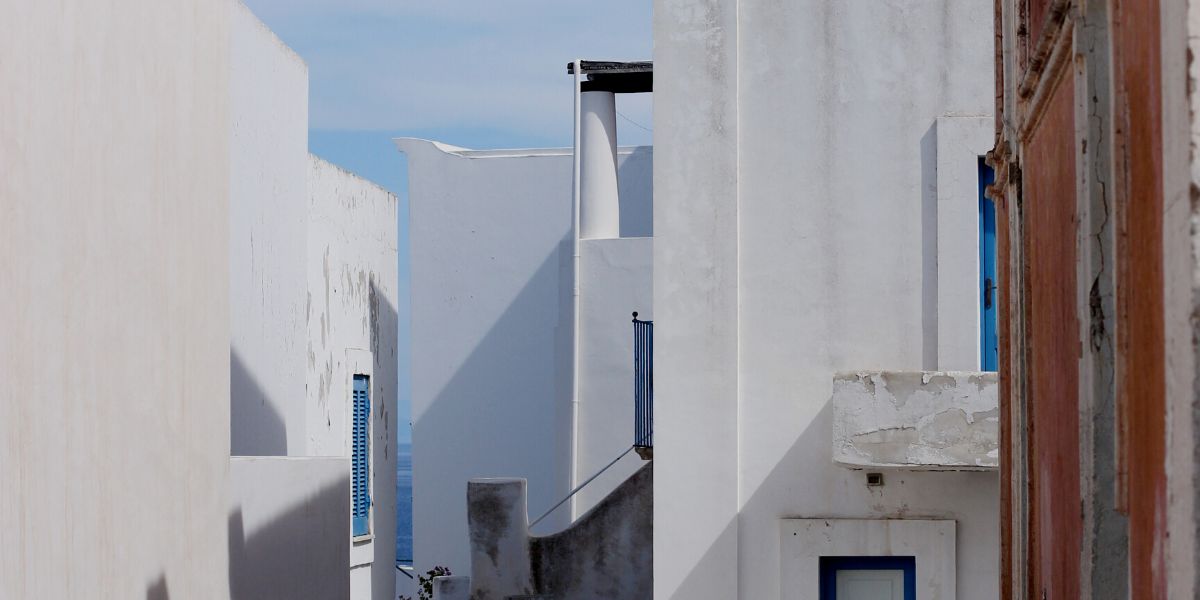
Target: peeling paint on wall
pixel 916 419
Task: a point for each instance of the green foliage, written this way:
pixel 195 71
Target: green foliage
pixel 425 583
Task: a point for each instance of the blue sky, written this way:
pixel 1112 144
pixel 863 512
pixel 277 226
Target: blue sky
pixel 477 74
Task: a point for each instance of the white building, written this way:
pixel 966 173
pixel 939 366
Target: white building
pixel 816 212
pixel 492 306
pixel 313 296
pixel 819 275
pixel 190 296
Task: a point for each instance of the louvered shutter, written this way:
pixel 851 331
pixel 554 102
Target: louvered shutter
pixel 360 506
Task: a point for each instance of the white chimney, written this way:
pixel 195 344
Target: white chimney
pixel 599 204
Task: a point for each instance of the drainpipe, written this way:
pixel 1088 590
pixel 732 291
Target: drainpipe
pixel 597 215
pixel 575 194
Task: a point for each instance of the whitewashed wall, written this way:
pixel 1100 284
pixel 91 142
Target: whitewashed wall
pixel 268 220
pixel 287 527
pixel 491 252
pixel 796 236
pixel 114 333
pixel 352 328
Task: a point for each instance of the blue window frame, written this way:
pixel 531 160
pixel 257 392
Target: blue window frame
pixel 360 506
pixel 988 298
pixel 830 566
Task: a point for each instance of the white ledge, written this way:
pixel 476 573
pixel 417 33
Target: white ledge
pixel 918 420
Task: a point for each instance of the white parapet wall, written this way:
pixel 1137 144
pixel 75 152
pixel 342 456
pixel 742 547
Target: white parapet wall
pixel 915 419
pixel 287 527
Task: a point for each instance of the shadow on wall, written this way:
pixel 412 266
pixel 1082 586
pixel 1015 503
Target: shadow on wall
pixel 276 560
pixel 255 427
pixel 905 495
pixel 384 327
pixel 636 201
pixel 158 589
pixel 929 259
pixel 517 375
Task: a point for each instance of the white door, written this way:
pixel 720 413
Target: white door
pixel 861 584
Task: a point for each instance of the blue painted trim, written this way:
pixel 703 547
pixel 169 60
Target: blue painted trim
pixel 830 565
pixel 988 339
pixel 360 501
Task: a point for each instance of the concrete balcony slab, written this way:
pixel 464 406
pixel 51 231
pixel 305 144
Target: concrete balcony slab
pixel 917 420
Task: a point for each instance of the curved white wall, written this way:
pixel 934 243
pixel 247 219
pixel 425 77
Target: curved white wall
pixel 599 203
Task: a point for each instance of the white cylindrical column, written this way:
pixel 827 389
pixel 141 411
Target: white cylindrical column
pixel 599 203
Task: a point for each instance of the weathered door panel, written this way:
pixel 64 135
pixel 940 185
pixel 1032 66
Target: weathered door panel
pixel 1140 334
pixel 1053 342
pixel 1004 335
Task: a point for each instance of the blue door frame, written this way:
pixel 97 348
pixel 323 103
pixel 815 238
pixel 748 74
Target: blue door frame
pixel 830 565
pixel 988 298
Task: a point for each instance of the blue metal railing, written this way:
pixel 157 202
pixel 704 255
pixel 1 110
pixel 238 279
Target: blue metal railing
pixel 643 383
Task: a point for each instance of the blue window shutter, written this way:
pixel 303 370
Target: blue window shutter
pixel 360 505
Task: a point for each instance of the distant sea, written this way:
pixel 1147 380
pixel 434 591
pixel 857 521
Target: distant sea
pixel 404 540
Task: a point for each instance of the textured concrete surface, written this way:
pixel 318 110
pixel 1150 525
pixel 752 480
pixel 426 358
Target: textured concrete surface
pixel 499 524
pixel 452 587
pixel 605 555
pixel 608 553
pixel 919 419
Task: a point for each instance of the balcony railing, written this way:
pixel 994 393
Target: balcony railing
pixel 643 387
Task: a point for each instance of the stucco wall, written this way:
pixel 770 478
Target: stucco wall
pixel 352 328
pixel 491 255
pixel 268 218
pixel 287 527
pixel 795 222
pixel 114 337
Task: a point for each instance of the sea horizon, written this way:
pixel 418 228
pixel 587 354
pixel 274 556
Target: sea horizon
pixel 404 541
